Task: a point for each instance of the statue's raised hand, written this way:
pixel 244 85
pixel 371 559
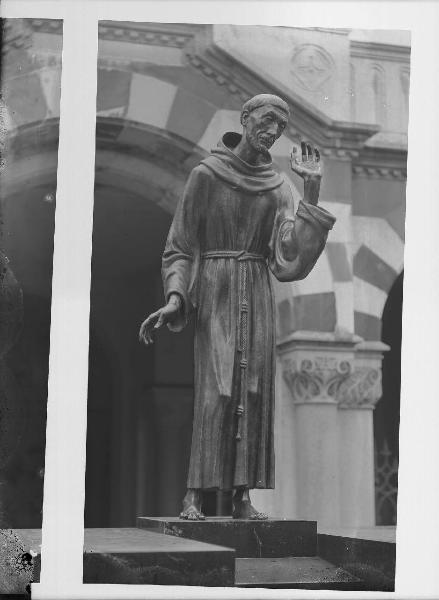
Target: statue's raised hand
pixel 157 319
pixel 308 166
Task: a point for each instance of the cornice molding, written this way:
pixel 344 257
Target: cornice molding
pixel 380 162
pixel 380 52
pixel 170 35
pixel 338 31
pixel 375 172
pixel 325 368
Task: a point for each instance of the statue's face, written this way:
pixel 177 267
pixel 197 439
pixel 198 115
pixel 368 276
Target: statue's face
pixel 263 126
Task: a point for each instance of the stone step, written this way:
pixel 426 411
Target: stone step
pixel 146 556
pixel 135 556
pixel 132 555
pixel 294 572
pixel 274 538
pixel 369 553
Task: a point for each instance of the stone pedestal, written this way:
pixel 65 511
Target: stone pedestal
pixel 334 382
pixel 250 539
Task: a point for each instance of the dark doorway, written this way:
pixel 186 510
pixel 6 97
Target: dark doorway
pixel 139 399
pixel 27 228
pixel 386 414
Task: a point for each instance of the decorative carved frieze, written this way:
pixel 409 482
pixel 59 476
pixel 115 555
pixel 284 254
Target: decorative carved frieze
pixel 317 378
pixel 324 368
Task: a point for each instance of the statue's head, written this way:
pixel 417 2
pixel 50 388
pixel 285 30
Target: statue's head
pixel 263 118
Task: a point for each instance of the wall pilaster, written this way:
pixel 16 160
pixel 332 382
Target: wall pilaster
pixel 333 383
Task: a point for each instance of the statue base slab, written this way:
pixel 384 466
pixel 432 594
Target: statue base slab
pixel 145 557
pixel 273 538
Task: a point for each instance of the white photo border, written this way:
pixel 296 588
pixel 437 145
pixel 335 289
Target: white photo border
pixel 418 498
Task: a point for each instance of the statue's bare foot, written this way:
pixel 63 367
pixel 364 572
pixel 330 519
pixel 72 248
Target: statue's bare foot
pixel 243 509
pixel 192 506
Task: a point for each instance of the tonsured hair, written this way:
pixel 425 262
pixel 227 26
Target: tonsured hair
pixel 263 100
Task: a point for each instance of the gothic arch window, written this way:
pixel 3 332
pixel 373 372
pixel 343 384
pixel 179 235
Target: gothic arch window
pixel 379 91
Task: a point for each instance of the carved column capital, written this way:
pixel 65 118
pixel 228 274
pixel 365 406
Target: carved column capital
pixel 315 365
pixel 326 368
pixel 362 389
pixel 315 379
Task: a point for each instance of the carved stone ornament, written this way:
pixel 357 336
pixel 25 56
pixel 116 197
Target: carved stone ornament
pixel 362 389
pixel 316 379
pixel 312 66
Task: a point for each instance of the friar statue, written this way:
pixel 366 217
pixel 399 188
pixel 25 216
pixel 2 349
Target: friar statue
pixel 234 224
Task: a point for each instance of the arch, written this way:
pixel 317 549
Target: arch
pixel 377 263
pixel 150 402
pixel 31 155
pixel 387 411
pixel 142 157
pixel 28 184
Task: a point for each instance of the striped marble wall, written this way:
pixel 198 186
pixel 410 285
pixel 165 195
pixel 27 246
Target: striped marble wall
pixel 324 299
pixel 348 287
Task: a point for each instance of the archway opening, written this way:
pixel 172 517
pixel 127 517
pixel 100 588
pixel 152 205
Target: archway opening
pixel 139 399
pixel 27 228
pixel 387 412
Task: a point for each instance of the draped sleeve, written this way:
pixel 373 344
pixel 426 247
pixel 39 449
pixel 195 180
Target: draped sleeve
pixel 181 257
pixel 298 239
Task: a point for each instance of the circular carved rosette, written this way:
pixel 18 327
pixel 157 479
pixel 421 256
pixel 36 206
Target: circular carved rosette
pixel 311 66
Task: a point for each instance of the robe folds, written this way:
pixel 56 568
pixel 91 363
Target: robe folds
pixel 234 223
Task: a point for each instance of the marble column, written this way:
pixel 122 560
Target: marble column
pixel 315 365
pixel 333 382
pixel 357 397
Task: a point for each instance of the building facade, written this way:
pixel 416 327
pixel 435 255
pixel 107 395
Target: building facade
pixel 166 93
pixel 29 120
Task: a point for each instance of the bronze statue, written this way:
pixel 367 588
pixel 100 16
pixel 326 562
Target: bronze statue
pixel 234 223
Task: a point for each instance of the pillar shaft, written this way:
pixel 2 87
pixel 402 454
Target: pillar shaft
pixel 357 397
pixel 333 383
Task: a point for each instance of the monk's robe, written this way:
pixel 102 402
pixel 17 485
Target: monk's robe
pixel 234 223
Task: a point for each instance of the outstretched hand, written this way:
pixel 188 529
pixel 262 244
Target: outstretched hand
pixel 155 321
pixel 308 166
pixel 307 163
